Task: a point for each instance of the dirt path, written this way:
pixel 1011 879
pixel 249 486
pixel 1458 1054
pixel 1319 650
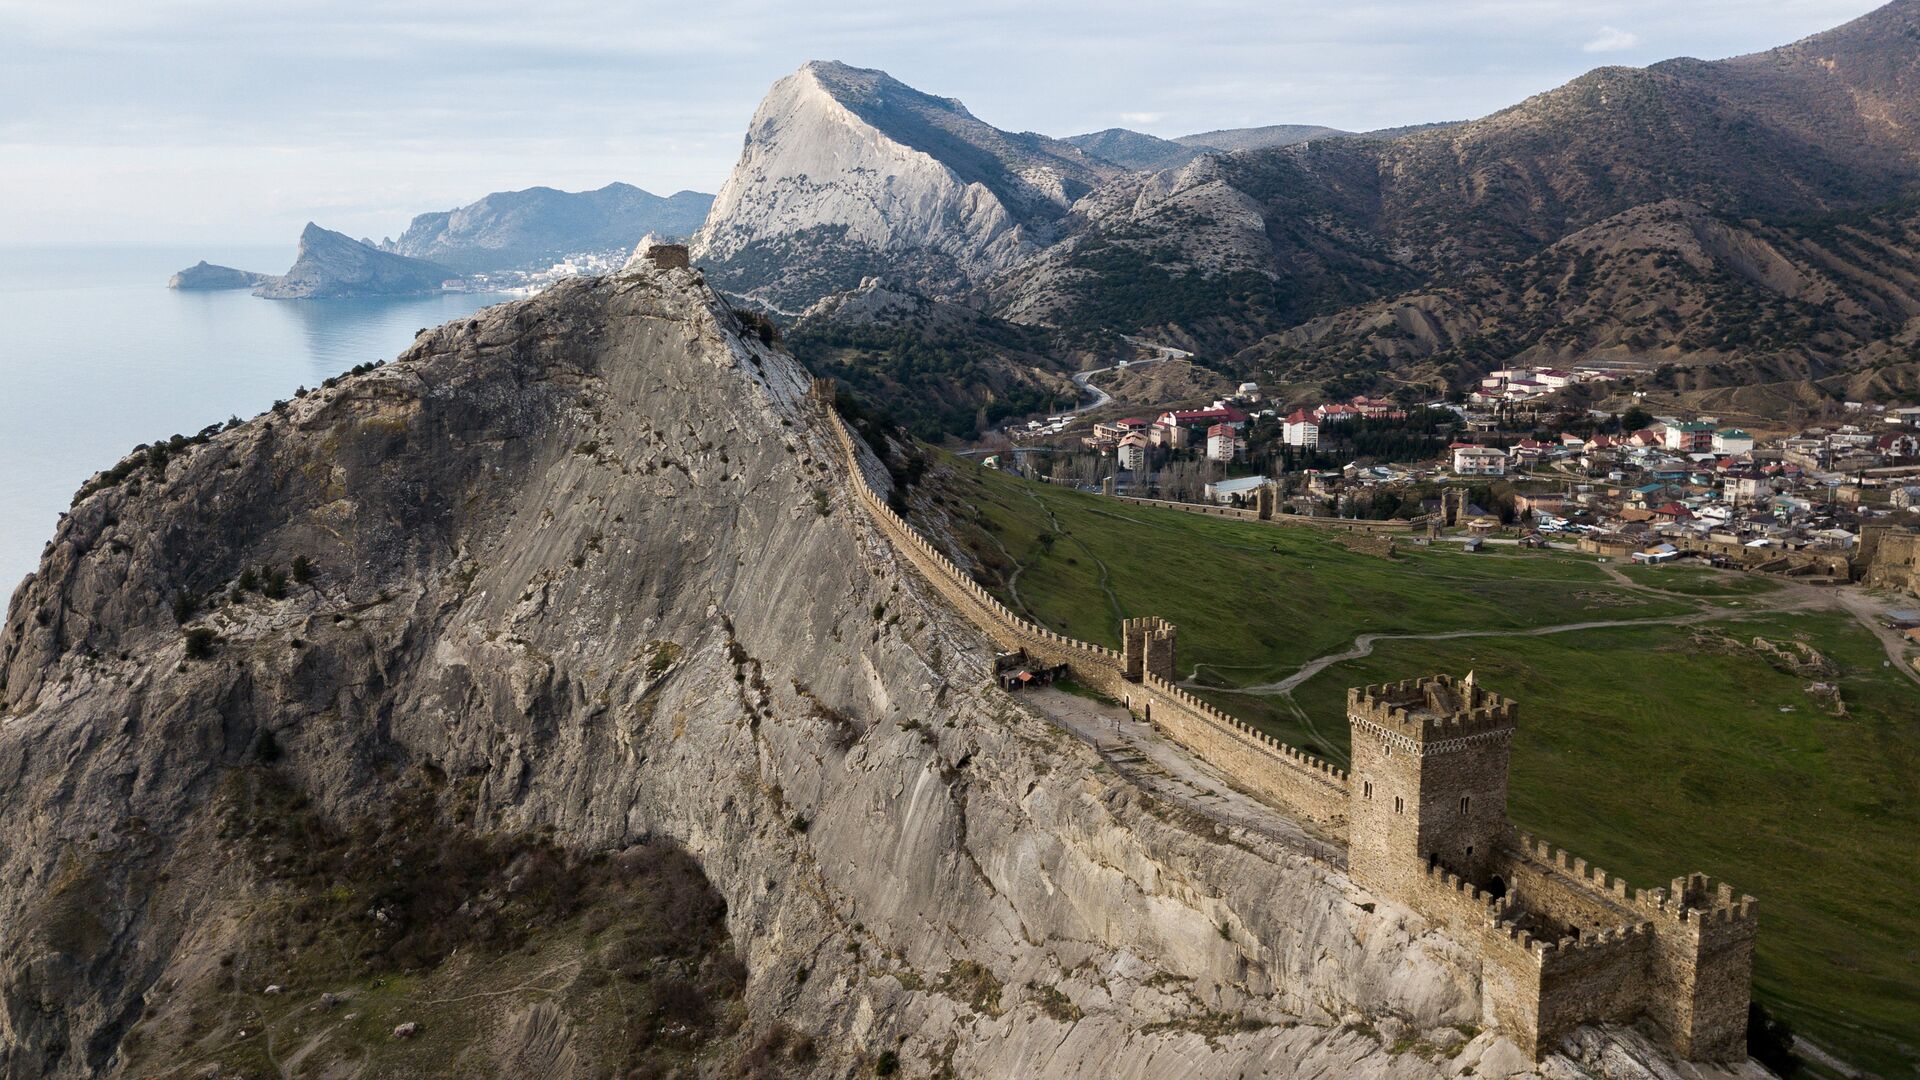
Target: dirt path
pixel 1363 645
pixel 1106 576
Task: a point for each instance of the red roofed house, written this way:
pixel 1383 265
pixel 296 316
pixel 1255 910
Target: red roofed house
pixel 1299 429
pixel 1223 443
pixel 1224 415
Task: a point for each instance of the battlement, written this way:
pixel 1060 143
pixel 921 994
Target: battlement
pixel 1695 899
pixel 1547 953
pixel 1146 648
pixel 1435 709
pixel 1494 909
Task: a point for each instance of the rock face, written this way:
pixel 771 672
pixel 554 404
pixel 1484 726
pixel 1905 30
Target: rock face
pixel 205 276
pixel 333 265
pixel 847 172
pixel 938 368
pixel 518 229
pixel 591 561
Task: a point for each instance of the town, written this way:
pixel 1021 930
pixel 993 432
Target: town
pixel 1533 456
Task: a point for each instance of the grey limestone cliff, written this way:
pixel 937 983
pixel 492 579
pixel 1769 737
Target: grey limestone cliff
pixel 587 567
pixel 847 172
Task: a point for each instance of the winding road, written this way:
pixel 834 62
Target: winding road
pixel 1084 379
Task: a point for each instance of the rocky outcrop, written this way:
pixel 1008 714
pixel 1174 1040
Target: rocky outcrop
pixel 332 265
pixel 518 229
pixel 588 563
pixel 847 172
pixel 205 276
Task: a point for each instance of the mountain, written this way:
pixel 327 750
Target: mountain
pixel 937 368
pixel 1140 152
pixel 519 229
pixel 332 265
pixel 1134 150
pixel 847 173
pixel 1238 247
pixel 205 276
pixel 1740 301
pixel 1257 138
pixel 543 703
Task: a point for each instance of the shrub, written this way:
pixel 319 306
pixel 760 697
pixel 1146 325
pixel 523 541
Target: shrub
pixel 273 583
pixel 184 605
pixel 249 581
pixel 302 569
pixel 200 641
pixel 886 1064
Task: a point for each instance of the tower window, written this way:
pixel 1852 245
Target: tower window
pixel 1399 805
pixel 1465 802
pixel 1366 790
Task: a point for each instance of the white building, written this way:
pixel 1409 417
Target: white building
pixel 1223 443
pixel 1732 441
pixel 1469 460
pixel 1299 429
pixel 1223 491
pixel 1132 454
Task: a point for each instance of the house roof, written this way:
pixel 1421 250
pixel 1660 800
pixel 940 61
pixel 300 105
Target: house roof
pixel 1227 413
pixel 1299 416
pixel 1240 483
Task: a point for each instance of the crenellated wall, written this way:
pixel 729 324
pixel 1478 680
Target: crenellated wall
pixel 1283 775
pixel 1561 944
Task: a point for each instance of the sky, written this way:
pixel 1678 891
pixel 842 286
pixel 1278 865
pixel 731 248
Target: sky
pixel 237 121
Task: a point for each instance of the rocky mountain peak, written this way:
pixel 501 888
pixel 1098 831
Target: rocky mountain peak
pixel 847 172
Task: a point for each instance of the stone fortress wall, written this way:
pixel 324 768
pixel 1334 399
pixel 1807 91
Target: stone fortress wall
pixel 1424 817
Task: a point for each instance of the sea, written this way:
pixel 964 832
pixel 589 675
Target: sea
pixel 97 355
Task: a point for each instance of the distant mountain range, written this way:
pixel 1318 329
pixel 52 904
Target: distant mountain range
pixel 505 231
pixel 517 229
pixel 1295 251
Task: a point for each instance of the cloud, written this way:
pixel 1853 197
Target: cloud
pixel 1142 117
pixel 1611 39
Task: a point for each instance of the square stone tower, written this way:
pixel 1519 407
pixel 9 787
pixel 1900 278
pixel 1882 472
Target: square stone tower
pixel 1146 647
pixel 1429 781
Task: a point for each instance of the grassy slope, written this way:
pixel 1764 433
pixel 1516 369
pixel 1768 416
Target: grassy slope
pixel 1644 752
pixel 1310 594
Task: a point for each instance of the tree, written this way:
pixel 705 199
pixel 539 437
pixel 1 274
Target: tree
pixel 302 569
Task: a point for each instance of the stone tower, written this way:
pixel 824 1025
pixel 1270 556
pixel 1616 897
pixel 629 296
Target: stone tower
pixel 1264 498
pixel 1146 647
pixel 1429 781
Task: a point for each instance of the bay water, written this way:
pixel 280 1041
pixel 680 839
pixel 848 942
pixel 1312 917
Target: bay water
pixel 97 355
